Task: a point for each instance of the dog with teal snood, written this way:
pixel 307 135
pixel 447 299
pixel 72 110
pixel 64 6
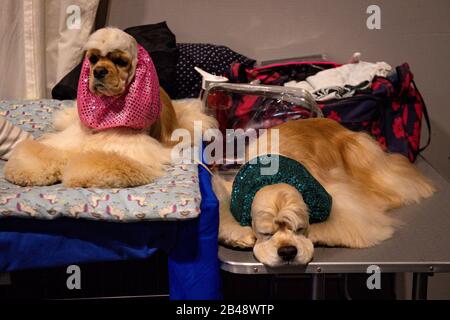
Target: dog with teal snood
pixel 294 181
pixel 331 186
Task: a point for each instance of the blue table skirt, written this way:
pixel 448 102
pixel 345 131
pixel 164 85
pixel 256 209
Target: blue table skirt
pixel 191 245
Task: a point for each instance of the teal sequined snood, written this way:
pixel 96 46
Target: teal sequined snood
pixel 249 180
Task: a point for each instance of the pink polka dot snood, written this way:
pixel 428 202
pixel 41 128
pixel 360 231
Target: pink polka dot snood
pixel 138 107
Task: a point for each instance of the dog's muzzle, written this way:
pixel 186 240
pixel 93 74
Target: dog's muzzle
pixel 100 73
pixel 138 107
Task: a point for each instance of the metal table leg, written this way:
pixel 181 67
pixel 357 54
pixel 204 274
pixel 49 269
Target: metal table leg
pixel 318 287
pixel 420 286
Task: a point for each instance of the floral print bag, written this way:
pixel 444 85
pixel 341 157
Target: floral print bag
pixel 391 112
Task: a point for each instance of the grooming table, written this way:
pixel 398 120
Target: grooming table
pixel 42 227
pixel 191 245
pixel 420 246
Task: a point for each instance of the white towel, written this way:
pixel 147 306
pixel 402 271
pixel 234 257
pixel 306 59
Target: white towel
pixel 352 74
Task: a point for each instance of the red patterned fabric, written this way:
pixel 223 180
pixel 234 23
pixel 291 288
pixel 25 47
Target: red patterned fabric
pixel 392 113
pixel 391 110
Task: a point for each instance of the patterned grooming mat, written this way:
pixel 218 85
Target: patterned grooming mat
pixel 172 197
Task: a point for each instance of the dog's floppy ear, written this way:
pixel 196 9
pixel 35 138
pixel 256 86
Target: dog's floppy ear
pixel 133 50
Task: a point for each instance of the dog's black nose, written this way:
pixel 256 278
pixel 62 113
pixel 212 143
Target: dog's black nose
pixel 100 72
pixel 287 253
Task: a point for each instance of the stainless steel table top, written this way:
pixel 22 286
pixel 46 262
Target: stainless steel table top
pixel 422 244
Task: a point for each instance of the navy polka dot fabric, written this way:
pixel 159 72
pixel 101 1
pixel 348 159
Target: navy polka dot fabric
pixel 211 58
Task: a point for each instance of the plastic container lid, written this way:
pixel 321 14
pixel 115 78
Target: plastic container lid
pixel 208 78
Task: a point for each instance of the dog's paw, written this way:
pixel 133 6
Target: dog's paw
pixel 99 169
pixel 33 164
pixel 242 237
pixel 24 177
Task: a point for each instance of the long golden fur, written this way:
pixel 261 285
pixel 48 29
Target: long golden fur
pixel 363 180
pixel 113 158
pixel 120 157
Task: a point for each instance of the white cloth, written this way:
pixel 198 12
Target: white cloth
pixel 10 136
pixel 325 84
pixel 40 44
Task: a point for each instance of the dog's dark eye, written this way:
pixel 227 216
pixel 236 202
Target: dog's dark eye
pixel 267 234
pixel 120 62
pixel 300 230
pixel 93 59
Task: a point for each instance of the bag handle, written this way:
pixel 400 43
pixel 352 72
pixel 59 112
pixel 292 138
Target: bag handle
pixel 427 118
